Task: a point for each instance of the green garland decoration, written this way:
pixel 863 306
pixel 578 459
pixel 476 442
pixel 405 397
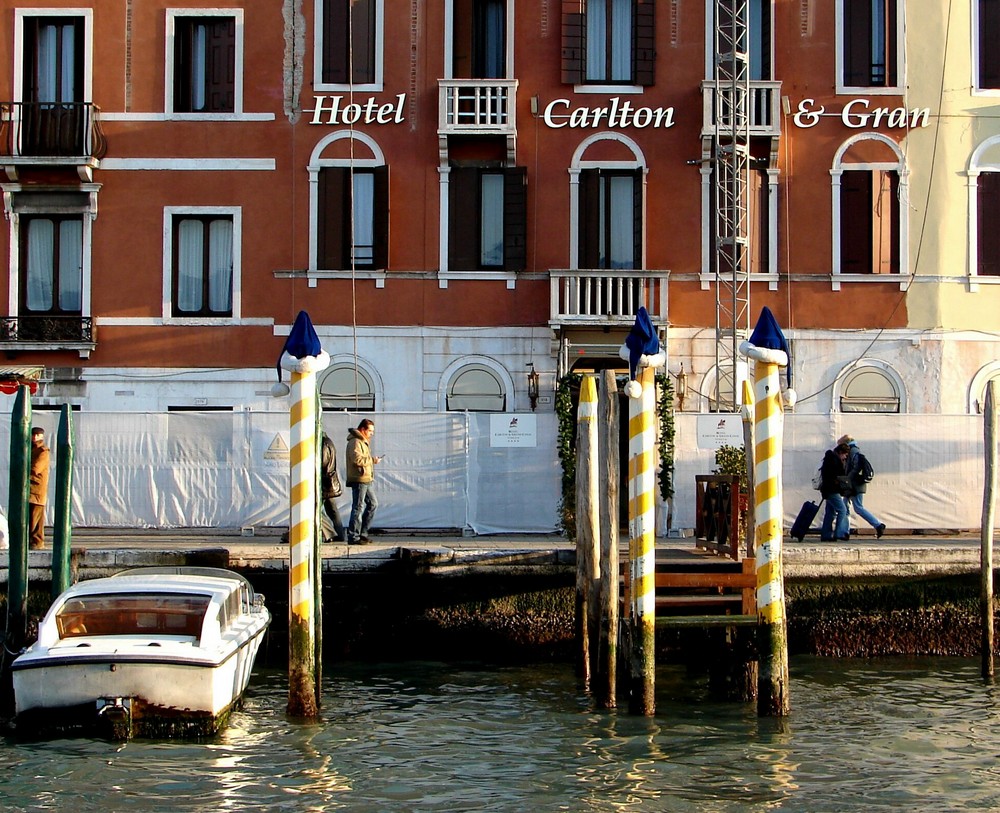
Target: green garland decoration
pixel 567 450
pixel 665 444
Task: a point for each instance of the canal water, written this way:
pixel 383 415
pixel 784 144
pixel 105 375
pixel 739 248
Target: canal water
pixel 921 734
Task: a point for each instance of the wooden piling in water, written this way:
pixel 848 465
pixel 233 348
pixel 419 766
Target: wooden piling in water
pixel 986 531
pixel 62 531
pixel 587 524
pixel 17 520
pixel 605 680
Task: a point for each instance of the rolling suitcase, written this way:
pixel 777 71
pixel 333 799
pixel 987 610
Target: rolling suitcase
pixel 803 521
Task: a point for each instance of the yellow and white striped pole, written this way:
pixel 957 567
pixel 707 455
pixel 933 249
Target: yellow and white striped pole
pixel 766 348
pixel 642 539
pixel 303 358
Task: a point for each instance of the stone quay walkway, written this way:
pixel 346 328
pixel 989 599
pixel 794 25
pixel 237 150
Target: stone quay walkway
pixel 99 552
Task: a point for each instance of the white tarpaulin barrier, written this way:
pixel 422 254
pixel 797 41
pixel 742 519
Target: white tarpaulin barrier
pixel 481 472
pixel 230 469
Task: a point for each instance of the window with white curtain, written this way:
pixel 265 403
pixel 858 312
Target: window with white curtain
pixel 203 265
pixel 363 244
pixel 52 264
pixel 491 221
pixel 610 219
pixel 609 40
pixel 204 64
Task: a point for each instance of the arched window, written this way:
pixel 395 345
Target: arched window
pixel 870 388
pixel 476 388
pixel 346 387
pixel 977 392
pixel 984 209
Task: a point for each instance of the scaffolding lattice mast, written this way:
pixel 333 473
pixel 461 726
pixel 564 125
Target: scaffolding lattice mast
pixel 731 161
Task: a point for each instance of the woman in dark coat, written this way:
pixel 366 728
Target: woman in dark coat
pixel 833 472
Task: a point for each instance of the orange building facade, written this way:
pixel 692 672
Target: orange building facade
pixel 457 192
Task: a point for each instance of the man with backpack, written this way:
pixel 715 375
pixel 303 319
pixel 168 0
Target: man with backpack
pixel 859 475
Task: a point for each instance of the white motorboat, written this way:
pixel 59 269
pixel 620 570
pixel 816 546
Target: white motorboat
pixel 150 652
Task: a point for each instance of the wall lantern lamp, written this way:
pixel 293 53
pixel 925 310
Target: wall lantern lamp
pixel 532 385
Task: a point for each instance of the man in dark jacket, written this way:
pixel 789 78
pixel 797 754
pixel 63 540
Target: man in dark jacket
pixel 836 524
pixel 859 473
pixel 331 488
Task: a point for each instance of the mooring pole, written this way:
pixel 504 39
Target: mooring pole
pixel 767 347
pixel 17 520
pixel 986 531
pixel 62 532
pixel 303 357
pixel 318 555
pixel 642 538
pixel 605 674
pixel 587 523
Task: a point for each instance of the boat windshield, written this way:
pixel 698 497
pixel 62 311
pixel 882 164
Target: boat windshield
pixel 133 614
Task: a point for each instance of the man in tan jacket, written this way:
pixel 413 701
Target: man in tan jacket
pixel 360 476
pixel 38 489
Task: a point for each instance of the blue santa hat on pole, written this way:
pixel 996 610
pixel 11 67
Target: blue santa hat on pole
pixel 302 353
pixel 641 349
pixel 767 343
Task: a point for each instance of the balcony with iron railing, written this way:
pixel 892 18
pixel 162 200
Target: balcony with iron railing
pixel 763 108
pixel 47 333
pixel 51 134
pixel 603 297
pixel 477 106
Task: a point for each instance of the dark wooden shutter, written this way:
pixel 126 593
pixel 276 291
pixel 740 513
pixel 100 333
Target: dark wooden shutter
pixel 988 261
pixel 891 46
pixel 855 222
pixel 590 219
pixel 331 218
pixel 637 220
pixel 220 64
pixel 381 203
pixel 644 44
pixel 989 40
pixel 857 43
pixel 573 43
pixel 463 219
pixel 335 28
pixel 515 218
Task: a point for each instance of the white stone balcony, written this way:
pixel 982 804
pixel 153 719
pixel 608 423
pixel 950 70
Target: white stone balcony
pixel 764 107
pixel 602 297
pixel 477 106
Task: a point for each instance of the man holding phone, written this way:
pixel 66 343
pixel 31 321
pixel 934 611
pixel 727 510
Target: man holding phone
pixel 360 477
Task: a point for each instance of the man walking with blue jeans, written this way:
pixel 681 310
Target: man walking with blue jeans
pixel 360 477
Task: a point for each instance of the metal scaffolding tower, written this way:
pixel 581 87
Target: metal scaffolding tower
pixel 731 162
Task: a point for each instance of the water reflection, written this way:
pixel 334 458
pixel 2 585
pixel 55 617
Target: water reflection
pixel 885 735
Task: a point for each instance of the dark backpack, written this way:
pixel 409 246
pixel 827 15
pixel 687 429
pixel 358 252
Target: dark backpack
pixel 865 471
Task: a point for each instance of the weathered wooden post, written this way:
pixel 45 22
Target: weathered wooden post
pixel 769 350
pixel 587 523
pixel 986 532
pixel 17 519
pixel 62 532
pixel 642 349
pixel 605 680
pixel 303 357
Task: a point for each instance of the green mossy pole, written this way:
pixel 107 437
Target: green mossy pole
pixel 62 532
pixel 986 530
pixel 17 520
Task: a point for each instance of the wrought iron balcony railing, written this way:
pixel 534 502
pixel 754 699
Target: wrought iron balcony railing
pixel 51 129
pixel 605 297
pixel 47 329
pixel 763 107
pixel 484 106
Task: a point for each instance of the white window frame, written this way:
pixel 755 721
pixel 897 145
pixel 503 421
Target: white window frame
pixel 977 389
pixel 171 212
pixel 87 14
pixel 839 167
pixel 168 90
pixel 316 163
pixel 978 165
pixel 868 365
pixel 449 40
pixel 891 90
pixel 578 164
pixel 374 87
pixel 498 370
pixel 364 371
